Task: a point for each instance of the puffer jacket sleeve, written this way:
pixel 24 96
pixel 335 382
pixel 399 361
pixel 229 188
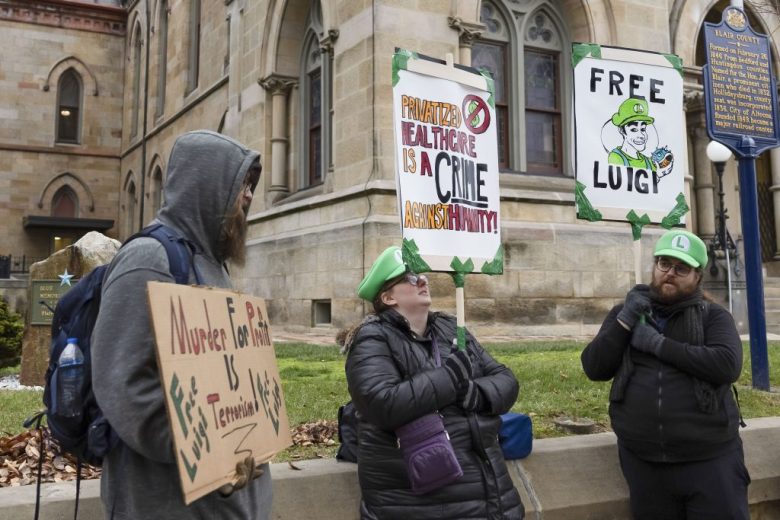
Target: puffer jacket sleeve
pixel 381 393
pixel 603 356
pixel 498 386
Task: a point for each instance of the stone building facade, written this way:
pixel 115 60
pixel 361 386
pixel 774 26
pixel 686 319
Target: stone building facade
pixel 308 83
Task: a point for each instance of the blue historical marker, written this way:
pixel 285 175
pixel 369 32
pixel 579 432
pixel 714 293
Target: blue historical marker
pixel 739 89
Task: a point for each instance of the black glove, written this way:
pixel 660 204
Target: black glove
pixel 246 470
pixel 459 367
pixel 468 396
pixel 637 304
pixel 646 339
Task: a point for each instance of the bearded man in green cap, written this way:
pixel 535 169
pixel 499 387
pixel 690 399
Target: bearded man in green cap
pixel 672 356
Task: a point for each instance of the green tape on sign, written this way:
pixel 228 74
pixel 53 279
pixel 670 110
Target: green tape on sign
pixel 584 208
pixel 637 223
pixel 582 50
pixel 677 212
pixel 461 269
pixel 676 62
pixel 491 86
pixel 400 59
pixel 495 266
pixel 411 255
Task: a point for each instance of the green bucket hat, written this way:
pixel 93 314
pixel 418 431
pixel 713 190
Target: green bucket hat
pixel 684 246
pixel 386 267
pixel 632 109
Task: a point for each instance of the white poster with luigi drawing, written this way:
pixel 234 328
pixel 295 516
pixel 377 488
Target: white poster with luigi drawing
pixel 631 156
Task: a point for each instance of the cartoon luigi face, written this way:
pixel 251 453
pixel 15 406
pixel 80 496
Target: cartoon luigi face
pixel 634 126
pixel 632 120
pixel 635 133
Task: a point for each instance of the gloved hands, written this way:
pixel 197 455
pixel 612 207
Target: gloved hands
pixel 459 367
pixel 646 339
pixel 468 396
pixel 461 370
pixel 246 470
pixel 637 303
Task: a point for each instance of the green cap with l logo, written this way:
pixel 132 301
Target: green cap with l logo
pixel 684 246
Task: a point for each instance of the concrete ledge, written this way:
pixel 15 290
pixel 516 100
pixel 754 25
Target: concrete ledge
pixel 564 478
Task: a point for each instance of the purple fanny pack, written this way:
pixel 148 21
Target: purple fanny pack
pixel 428 455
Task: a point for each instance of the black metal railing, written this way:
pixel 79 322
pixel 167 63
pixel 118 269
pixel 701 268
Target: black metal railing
pixel 17 264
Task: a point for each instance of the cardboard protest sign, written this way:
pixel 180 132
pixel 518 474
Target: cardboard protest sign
pixel 447 163
pixel 631 147
pixel 220 379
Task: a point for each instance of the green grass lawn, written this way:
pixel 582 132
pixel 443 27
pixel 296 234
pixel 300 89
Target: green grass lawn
pixel 552 385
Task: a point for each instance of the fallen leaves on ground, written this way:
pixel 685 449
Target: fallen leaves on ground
pixel 321 432
pixel 19 454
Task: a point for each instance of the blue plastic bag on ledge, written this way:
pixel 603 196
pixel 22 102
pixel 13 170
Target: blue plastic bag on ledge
pixel 516 435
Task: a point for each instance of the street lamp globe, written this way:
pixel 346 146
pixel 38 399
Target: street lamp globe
pixel 717 152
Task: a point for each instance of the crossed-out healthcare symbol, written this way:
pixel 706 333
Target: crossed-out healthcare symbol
pixel 476 114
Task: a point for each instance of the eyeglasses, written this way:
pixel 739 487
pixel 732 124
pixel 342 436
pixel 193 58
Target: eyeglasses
pixel 417 280
pixel 665 265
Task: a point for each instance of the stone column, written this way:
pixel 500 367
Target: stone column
pixel 703 184
pixel 279 87
pixel 326 47
pixel 467 33
pixel 774 156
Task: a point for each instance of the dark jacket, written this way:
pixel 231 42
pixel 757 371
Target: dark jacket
pixel 393 379
pixel 140 477
pixel 656 415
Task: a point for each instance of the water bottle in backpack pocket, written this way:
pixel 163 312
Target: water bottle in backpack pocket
pixel 69 377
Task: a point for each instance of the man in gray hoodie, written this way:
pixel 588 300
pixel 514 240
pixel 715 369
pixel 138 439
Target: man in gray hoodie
pixel 208 190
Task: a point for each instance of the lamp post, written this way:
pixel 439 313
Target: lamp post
pixel 719 154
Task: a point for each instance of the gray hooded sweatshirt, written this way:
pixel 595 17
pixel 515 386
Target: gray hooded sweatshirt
pixel 140 479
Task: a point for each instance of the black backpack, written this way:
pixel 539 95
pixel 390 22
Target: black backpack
pixel 88 436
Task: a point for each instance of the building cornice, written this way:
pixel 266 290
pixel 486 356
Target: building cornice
pixel 67 15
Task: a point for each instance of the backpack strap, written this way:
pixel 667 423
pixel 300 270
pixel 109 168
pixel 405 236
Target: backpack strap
pixel 180 251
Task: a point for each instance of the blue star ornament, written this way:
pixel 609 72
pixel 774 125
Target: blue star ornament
pixel 65 278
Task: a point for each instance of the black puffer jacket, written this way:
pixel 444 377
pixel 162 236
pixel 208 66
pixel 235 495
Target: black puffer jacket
pixel 657 415
pixel 393 379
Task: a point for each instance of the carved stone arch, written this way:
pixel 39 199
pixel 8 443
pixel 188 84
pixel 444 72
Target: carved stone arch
pixel 559 24
pixel 79 187
pixel 589 21
pixel 137 29
pixel 71 62
pixel 130 177
pixel 467 10
pixel 686 19
pixel 157 161
pixel 294 14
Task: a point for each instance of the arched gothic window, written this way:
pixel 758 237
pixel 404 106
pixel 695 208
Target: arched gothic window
pixel 162 56
pixel 155 194
pixel 131 201
pixel 136 107
pixel 316 100
pixel 193 56
pixel 312 115
pixel 526 51
pixel 69 97
pixel 65 203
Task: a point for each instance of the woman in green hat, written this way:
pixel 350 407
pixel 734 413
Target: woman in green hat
pixel 402 366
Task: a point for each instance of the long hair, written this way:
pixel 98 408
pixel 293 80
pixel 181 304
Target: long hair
pixel 232 244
